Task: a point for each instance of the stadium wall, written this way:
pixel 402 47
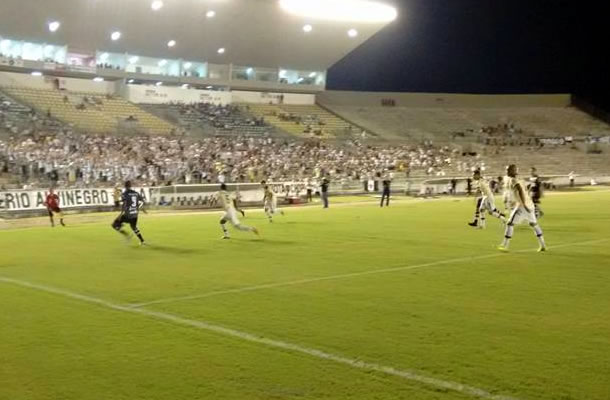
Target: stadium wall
pixel 441 100
pixel 165 94
pixel 275 98
pixel 52 82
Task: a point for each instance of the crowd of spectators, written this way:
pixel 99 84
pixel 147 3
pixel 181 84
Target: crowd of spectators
pixel 70 159
pixel 507 134
pixel 221 117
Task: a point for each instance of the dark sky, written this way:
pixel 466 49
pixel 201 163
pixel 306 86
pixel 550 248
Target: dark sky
pixel 483 46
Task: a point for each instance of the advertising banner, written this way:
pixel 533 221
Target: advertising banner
pixel 177 195
pixel 27 200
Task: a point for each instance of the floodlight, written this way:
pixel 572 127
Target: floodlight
pixel 341 10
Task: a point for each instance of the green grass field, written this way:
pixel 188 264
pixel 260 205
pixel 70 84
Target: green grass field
pixel 354 302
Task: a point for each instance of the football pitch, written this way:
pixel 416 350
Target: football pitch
pixel 353 302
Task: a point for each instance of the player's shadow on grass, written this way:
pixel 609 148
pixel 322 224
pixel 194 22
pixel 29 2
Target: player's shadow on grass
pixel 278 242
pixel 173 250
pixel 263 240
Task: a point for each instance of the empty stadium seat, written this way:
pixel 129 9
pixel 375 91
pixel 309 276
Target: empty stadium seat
pixel 90 112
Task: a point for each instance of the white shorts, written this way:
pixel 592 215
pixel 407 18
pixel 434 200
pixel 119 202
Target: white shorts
pixel 271 207
pixel 520 215
pixel 231 216
pixel 487 203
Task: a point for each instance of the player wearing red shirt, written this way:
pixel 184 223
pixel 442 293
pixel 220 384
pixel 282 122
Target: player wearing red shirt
pixel 52 204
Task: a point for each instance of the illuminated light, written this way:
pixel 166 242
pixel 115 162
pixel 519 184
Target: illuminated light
pixel 185 86
pixel 130 81
pixel 104 57
pixel 300 80
pixel 162 63
pixel 210 14
pixel 171 43
pixel 158 83
pixel 352 33
pixel 249 71
pixel 209 87
pixel 54 26
pixel 307 28
pixel 283 73
pixel 36 73
pixel 156 5
pixel 221 50
pixel 341 10
pixel 313 75
pixel 116 35
pixel 5 44
pixel 133 60
pixel 98 79
pixel 188 65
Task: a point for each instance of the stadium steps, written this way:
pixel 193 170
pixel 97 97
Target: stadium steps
pixel 18 115
pixel 550 161
pixel 438 124
pixel 198 123
pixel 102 113
pixel 319 119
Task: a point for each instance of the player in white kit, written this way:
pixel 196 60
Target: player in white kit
pixel 227 203
pixel 523 209
pixel 485 202
pixel 270 202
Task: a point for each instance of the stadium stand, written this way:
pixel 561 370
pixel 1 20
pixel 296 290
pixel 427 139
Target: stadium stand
pixel 80 146
pixel 303 120
pixel 72 159
pixel 18 118
pixel 441 124
pixel 91 112
pixel 211 119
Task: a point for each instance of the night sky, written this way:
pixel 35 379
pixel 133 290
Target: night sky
pixel 484 46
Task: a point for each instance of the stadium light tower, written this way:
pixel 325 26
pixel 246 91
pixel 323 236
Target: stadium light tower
pixel 54 26
pixel 341 10
pixel 156 5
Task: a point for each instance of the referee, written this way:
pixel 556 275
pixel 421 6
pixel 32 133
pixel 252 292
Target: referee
pixel 386 193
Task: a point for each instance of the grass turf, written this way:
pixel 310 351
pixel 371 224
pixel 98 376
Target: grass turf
pixel 527 325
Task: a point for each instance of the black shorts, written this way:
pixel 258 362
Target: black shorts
pixel 55 210
pixel 125 219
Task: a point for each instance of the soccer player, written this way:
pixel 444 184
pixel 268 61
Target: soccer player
pixel 238 207
pixel 386 193
pixel 132 204
pixel 52 204
pixel 230 215
pixel 270 202
pixel 535 189
pixel 309 191
pixel 485 202
pixel 116 196
pixel 324 191
pixel 523 210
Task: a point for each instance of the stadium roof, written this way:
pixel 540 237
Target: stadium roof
pixel 263 33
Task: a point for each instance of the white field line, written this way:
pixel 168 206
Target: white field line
pixel 348 275
pixel 249 337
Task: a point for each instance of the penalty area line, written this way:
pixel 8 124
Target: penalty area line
pixel 278 344
pixel 347 275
